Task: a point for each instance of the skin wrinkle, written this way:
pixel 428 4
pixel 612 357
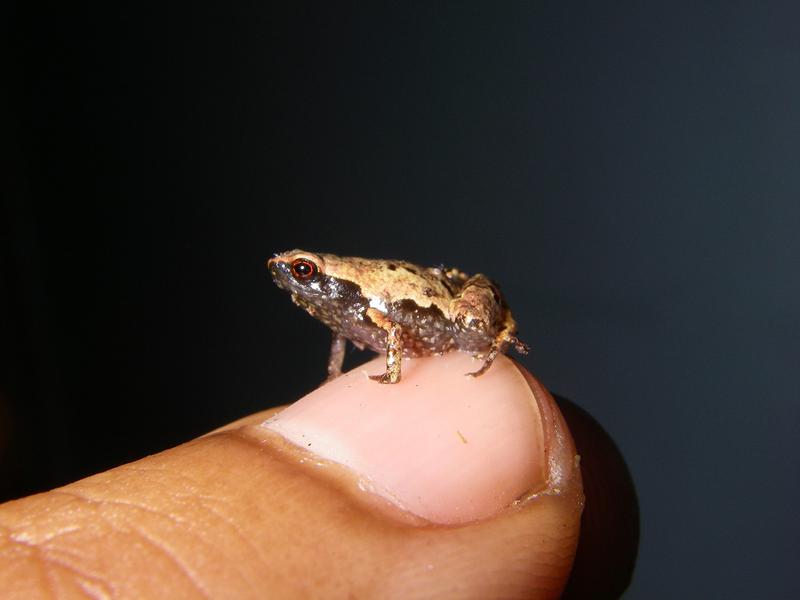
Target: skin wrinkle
pixel 186 531
pixel 18 532
pixel 398 587
pixel 163 477
pixel 132 528
pixel 156 475
pixel 48 542
pixel 240 535
pixel 51 550
pixel 49 557
pixel 558 559
pixel 176 519
pixel 43 566
pixel 6 531
pixel 55 535
pixel 515 571
pixel 242 539
pixel 92 593
pixel 62 556
pixel 174 478
pixel 283 501
pixel 163 549
pixel 111 502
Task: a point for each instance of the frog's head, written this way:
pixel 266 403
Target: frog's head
pixel 300 273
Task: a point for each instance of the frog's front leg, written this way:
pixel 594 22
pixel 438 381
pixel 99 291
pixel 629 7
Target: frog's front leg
pixel 394 346
pixel 482 321
pixel 336 359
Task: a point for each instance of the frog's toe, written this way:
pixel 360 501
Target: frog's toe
pixel 480 371
pixel 521 347
pixel 386 377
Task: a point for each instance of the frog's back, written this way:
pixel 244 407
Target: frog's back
pixel 416 298
pixel 384 282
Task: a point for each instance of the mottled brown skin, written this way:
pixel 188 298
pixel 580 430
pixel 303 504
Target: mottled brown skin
pixel 396 307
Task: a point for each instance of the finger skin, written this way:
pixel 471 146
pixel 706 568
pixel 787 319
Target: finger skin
pixel 446 447
pixel 235 514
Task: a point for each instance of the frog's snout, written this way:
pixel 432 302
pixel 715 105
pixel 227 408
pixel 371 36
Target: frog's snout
pixel 272 267
pixel 277 269
pixel 275 264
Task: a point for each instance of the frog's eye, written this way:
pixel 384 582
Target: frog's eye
pixel 303 269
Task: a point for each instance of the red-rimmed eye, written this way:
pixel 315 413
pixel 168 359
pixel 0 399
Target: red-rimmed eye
pixel 303 269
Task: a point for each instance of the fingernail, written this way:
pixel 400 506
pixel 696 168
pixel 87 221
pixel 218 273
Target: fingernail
pixel 445 447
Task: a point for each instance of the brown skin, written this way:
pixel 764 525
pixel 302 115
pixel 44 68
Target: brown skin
pixel 233 514
pixel 398 308
pixel 225 517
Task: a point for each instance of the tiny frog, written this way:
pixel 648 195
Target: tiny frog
pixel 396 307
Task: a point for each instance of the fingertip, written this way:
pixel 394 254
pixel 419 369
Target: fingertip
pixel 458 483
pixel 448 448
pixel 525 550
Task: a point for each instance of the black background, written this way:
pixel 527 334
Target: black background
pixel 627 171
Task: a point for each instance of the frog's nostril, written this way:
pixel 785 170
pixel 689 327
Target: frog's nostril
pixel 273 266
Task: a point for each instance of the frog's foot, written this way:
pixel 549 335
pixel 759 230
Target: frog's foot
pixel 387 377
pixel 519 345
pixel 499 345
pixel 486 364
pixel 394 346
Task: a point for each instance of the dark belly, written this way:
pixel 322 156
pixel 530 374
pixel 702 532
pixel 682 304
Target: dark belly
pixel 425 331
pixel 416 342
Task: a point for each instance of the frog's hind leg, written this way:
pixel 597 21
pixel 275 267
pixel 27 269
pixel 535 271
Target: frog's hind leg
pixel 394 346
pixel 500 344
pixel 336 358
pixel 481 319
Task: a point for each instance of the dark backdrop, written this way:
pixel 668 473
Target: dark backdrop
pixel 628 171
